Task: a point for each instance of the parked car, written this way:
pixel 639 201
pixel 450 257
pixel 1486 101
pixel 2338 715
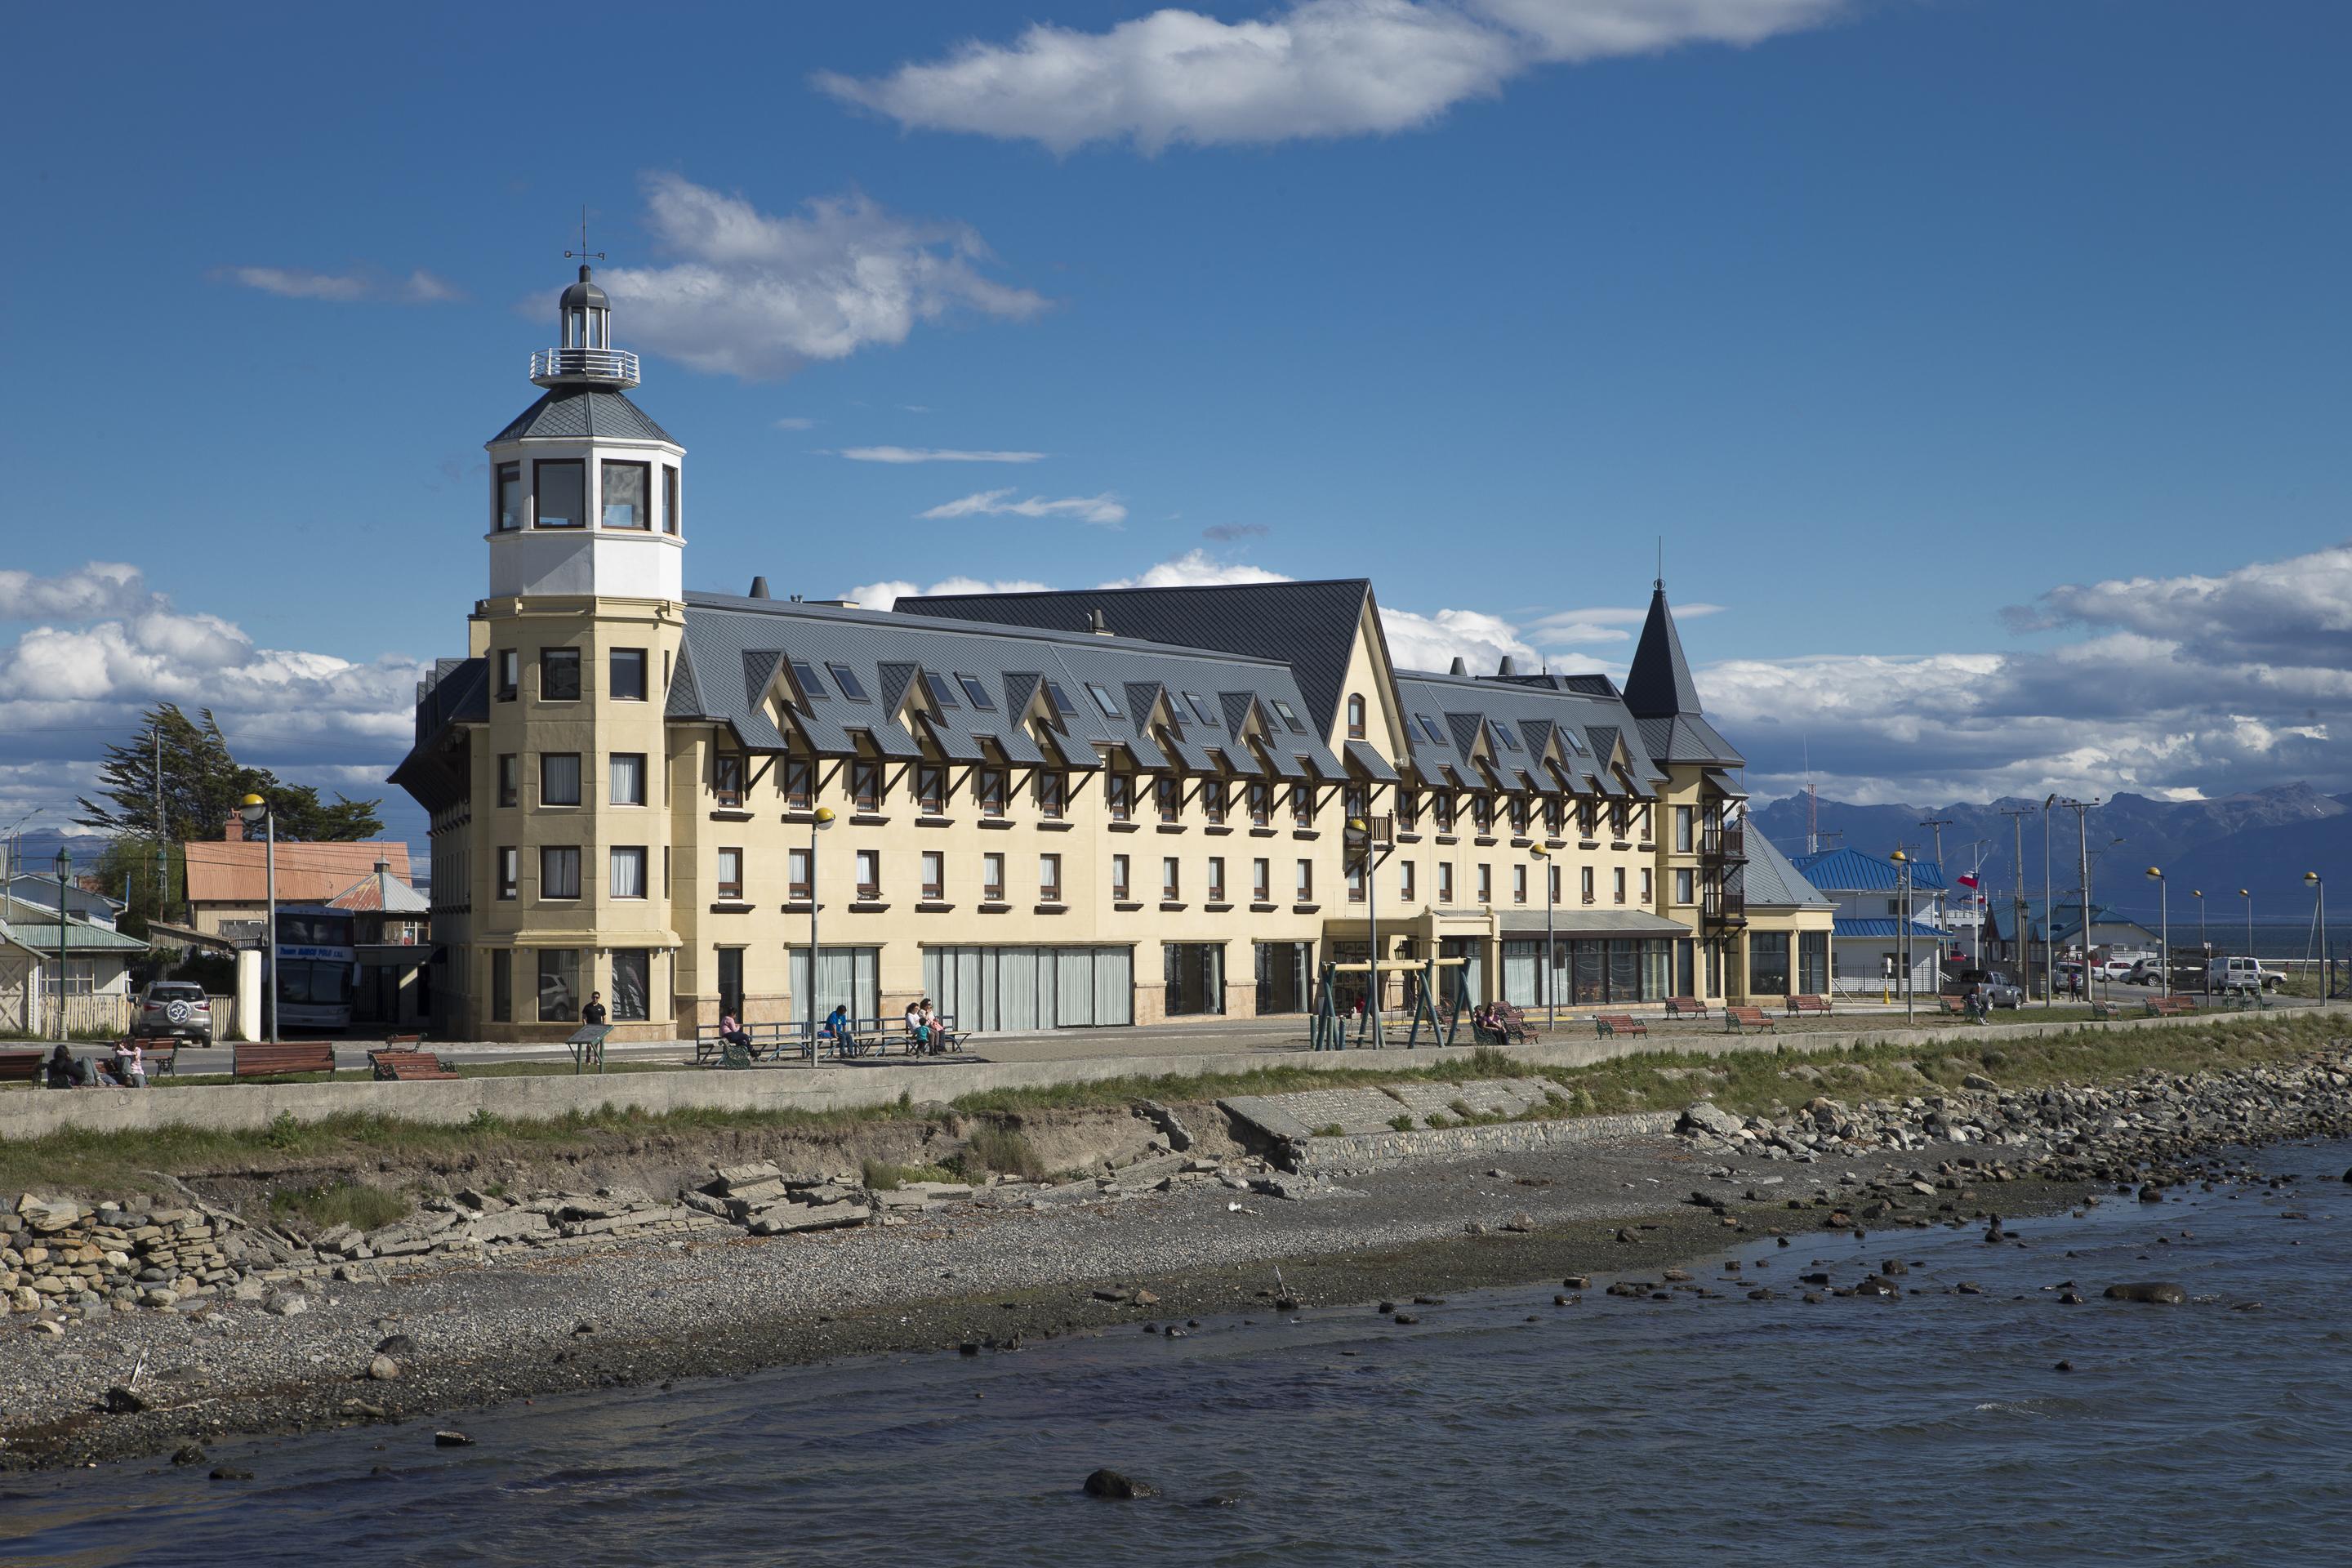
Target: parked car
pixel 2242 974
pixel 2112 969
pixel 2000 991
pixel 172 1010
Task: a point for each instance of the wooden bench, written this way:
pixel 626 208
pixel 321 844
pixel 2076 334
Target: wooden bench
pixel 1686 1007
pixel 408 1067
pixel 22 1067
pixel 256 1060
pixel 1798 1005
pixel 1515 1022
pixel 2171 1006
pixel 768 1040
pixel 2106 1011
pixel 1609 1025
pixel 1738 1020
pixel 1954 1006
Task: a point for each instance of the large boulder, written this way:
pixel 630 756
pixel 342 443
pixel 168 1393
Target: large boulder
pixel 1706 1116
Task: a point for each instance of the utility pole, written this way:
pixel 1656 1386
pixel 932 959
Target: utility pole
pixel 1937 825
pixel 163 856
pixel 2082 810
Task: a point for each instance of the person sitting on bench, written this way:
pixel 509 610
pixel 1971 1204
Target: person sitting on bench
pixel 732 1033
pixel 130 1064
pixel 1487 1024
pixel 835 1027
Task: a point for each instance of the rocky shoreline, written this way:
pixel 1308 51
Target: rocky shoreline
pixel 398 1336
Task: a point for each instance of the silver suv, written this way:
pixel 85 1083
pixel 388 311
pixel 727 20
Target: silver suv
pixel 173 1010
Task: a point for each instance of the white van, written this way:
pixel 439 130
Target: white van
pixel 2242 974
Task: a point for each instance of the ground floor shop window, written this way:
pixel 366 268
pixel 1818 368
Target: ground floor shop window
pixel 1617 968
pixel 1812 962
pixel 1194 975
pixel 559 984
pixel 1473 969
pixel 1019 988
pixel 632 984
pixel 731 981
pixel 846 977
pixel 501 987
pixel 1768 962
pixel 1283 984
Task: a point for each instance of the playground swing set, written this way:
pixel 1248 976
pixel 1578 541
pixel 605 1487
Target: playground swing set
pixel 1328 1031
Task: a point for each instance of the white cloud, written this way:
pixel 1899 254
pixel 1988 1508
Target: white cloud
pixel 936 455
pixel 1433 642
pixel 757 297
pixel 106 647
pixel 1195 568
pixel 883 595
pixel 359 285
pixel 1103 511
pixel 1311 68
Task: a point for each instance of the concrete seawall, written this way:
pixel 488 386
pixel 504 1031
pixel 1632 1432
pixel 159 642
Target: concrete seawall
pixel 25 1114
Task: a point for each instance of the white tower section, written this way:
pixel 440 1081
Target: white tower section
pixel 586 490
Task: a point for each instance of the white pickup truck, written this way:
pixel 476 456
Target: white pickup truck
pixel 2242 974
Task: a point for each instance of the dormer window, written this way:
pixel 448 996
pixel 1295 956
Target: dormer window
pixel 1289 718
pixel 942 692
pixel 625 503
pixel 561 488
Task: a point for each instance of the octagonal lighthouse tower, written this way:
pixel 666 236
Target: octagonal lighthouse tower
pixel 569 806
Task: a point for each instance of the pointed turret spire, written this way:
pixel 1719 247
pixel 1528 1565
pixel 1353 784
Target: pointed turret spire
pixel 1659 686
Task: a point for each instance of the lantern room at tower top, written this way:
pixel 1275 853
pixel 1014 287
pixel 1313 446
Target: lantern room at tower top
pixel 586 491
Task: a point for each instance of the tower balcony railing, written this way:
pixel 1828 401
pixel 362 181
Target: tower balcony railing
pixel 550 366
pixel 1725 844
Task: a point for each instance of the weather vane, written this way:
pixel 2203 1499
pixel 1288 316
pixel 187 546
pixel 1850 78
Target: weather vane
pixel 583 253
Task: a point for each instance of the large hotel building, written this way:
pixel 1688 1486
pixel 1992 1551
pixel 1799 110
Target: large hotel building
pixel 1041 810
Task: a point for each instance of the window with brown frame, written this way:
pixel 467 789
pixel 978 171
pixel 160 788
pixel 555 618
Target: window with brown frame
pixel 1554 810
pixel 1306 881
pixel 1519 815
pixel 1262 880
pixel 799 778
pixel 510 681
pixel 796 875
pixel 1518 884
pixel 624 674
pixel 1049 878
pixel 1445 881
pixel 1216 879
pixel 1053 794
pixel 1172 881
pixel 622 495
pixel 992 878
pixel 1485 883
pixel 869 874
pixel 1587 887
pixel 935 874
pixel 1588 817
pixel 727 778
pixel 1617 815
pixel 930 790
pixel 1118 796
pixel 1169 796
pixel 1647 886
pixel 988 790
pixel 1618 877
pixel 1552 882
pixel 1482 813
pixel 1408 810
pixel 866 785
pixel 1356 801
pixel 1405 880
pixel 1355 718
pixel 1356 889
pixel 730 875
pixel 1441 811
pixel 1261 803
pixel 1213 801
pixel 1120 866
pixel 510 779
pixel 510 872
pixel 1302 804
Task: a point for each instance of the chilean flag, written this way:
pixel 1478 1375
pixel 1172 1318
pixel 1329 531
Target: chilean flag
pixel 1967 881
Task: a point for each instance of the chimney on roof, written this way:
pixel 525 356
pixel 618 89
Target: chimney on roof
pixel 759 588
pixel 1096 625
pixel 384 884
pixel 1509 666
pixel 235 832
pixel 1458 666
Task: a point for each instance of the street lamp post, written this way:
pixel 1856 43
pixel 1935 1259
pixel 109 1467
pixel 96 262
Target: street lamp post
pixel 2164 924
pixel 2326 965
pixel 2049 916
pixel 2249 897
pixel 65 870
pixel 822 817
pixel 1903 936
pixel 2204 948
pixel 257 814
pixel 1551 964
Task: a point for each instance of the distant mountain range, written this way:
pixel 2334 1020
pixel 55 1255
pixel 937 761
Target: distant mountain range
pixel 2264 842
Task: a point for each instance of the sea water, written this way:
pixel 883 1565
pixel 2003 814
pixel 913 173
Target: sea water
pixel 1499 1429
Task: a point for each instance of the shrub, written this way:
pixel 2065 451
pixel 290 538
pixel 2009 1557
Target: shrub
pixel 331 1203
pixel 1402 1124
pixel 999 1149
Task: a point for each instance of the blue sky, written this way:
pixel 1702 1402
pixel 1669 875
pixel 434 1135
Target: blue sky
pixel 1918 330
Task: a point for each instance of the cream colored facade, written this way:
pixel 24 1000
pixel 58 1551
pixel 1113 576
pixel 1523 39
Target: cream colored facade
pixel 1036 822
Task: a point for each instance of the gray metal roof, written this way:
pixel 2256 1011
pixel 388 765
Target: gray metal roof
pixel 1770 880
pixel 1565 733
pixel 1689 738
pixel 1310 626
pixel 887 653
pixel 580 413
pixel 1659 684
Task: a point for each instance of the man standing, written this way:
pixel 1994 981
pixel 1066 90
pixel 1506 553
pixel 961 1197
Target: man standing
pixel 593 1013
